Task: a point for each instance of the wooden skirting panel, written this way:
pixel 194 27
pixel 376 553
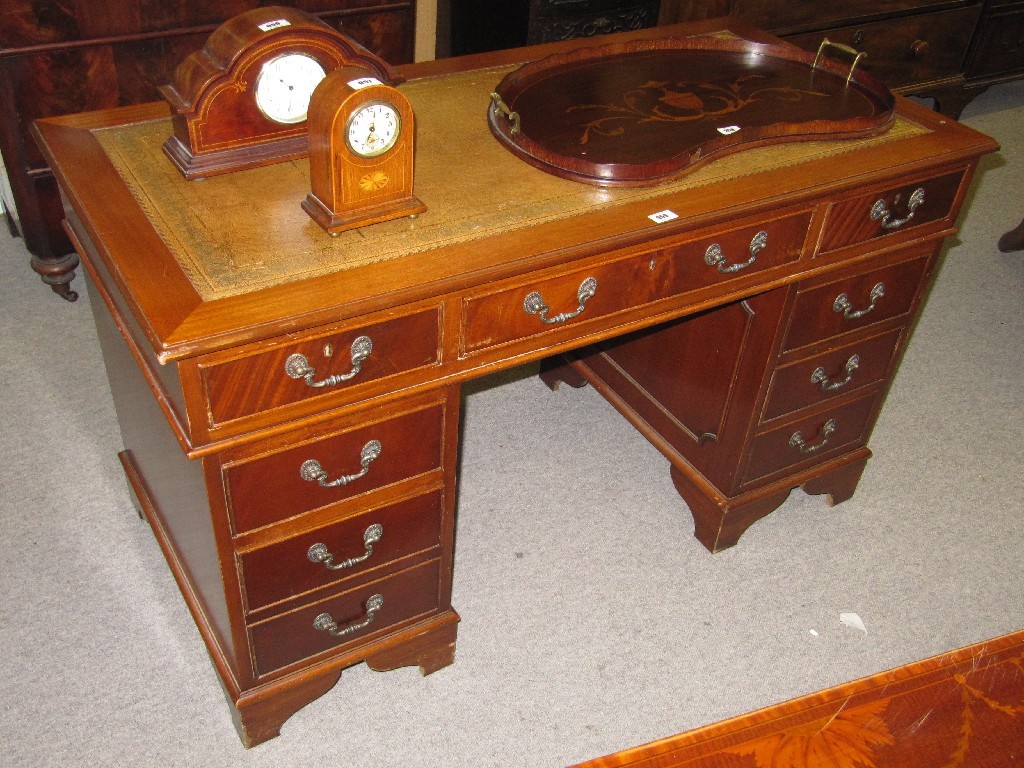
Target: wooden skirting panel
pixel 962 708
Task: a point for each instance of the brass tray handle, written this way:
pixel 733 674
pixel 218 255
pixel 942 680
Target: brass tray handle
pixel 797 440
pixel 513 117
pixel 715 258
pixel 843 306
pixel 826 43
pixel 534 303
pixel 326 623
pixel 821 378
pixel 298 367
pixel 880 211
pixel 312 471
pixel 318 553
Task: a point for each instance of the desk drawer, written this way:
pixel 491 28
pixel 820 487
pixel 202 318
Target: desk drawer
pixel 279 484
pixel 299 634
pixel 810 439
pixel 273 374
pixel 835 372
pixel 826 310
pixel 375 539
pixel 674 268
pixel 889 211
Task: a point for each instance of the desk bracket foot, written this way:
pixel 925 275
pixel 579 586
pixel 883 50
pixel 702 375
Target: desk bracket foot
pixel 258 718
pixel 719 521
pixel 431 649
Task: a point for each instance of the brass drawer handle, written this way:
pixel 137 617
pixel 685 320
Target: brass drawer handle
pixel 326 623
pixel 797 440
pixel 318 553
pixel 821 378
pixel 880 210
pixel 534 303
pixel 311 470
pixel 842 303
pixel 298 367
pixel 715 258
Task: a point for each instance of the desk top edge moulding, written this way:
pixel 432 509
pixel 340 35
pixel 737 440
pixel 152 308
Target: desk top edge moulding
pixel 289 400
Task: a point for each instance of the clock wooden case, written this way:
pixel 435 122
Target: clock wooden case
pixel 361 137
pixel 241 101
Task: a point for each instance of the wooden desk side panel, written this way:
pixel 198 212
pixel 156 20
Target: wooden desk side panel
pixel 171 488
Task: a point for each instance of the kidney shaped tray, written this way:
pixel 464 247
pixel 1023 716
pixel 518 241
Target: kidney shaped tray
pixel 644 112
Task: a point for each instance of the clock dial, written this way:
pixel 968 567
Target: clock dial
pixel 284 86
pixel 373 129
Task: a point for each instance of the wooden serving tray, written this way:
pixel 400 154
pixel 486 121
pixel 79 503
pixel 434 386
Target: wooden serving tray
pixel 640 113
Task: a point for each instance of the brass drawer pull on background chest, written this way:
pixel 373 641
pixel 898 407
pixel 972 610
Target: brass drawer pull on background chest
pixel 714 256
pixel 842 303
pixel 318 553
pixel 325 622
pixel 798 442
pixel 312 470
pixel 534 303
pixel 821 378
pixel 880 211
pixel 298 367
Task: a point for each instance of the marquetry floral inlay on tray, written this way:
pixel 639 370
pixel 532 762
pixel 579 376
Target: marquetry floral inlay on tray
pixel 638 113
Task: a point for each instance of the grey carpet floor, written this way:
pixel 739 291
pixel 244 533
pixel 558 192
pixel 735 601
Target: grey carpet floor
pixel 592 620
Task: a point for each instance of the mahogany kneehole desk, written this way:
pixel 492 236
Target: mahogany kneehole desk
pixel 290 402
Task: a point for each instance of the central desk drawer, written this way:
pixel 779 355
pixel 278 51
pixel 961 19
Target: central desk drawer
pixel 267 487
pixel 340 551
pixel 302 633
pixel 543 306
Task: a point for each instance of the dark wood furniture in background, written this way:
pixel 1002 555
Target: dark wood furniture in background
pixel 275 426
pixel 947 50
pixel 62 58
pixel 484 25
pixel 1013 240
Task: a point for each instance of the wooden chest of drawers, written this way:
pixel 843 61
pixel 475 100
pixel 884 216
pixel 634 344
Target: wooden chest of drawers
pixel 478 25
pixel 914 46
pixel 293 441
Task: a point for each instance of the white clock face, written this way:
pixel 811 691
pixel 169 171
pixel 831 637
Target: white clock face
pixel 373 129
pixel 284 86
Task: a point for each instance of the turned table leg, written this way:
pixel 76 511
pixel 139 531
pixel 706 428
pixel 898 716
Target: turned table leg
pixel 58 272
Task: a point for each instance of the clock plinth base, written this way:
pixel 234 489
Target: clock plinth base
pixel 200 166
pixel 340 221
